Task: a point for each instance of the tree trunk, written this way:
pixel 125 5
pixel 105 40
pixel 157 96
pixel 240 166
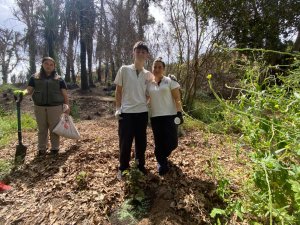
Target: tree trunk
pixel 113 69
pixel 106 71
pixel 4 72
pixel 32 52
pixel 99 72
pixel 73 73
pixel 83 73
pixel 90 55
pixel 296 46
pixel 70 62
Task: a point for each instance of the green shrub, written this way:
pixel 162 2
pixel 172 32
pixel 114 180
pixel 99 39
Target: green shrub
pixel 269 121
pixel 7 88
pixel 74 110
pixel 5 168
pixel 207 110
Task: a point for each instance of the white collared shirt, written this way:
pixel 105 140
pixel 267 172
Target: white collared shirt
pixel 133 88
pixel 161 99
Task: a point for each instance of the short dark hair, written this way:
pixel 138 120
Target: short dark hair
pixel 141 45
pixel 159 59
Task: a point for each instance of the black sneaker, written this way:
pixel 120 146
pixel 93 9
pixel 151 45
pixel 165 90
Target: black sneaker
pixel 162 169
pixel 54 152
pixel 143 170
pixel 41 153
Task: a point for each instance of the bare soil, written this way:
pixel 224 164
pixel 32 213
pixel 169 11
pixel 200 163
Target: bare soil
pixel 47 190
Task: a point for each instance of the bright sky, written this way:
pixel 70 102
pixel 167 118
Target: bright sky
pixel 7 20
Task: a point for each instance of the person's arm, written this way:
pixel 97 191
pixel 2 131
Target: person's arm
pixel 29 90
pixel 118 95
pixel 177 99
pixel 176 96
pixel 66 100
pixel 65 94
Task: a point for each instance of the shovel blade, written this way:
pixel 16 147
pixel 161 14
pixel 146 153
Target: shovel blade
pixel 20 154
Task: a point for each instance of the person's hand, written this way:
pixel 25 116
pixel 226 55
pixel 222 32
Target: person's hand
pixel 172 77
pixel 179 118
pixel 66 109
pixel 118 114
pixel 19 92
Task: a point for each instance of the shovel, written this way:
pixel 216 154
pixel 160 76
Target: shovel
pixel 20 149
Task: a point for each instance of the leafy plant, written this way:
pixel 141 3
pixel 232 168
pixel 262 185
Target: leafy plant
pixel 268 117
pixel 82 179
pixel 5 168
pixel 74 110
pixel 134 183
pixel 137 204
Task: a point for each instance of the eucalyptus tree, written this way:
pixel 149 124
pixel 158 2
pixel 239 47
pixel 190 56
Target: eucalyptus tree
pixel 86 31
pixel 106 42
pixel 27 12
pixel 72 26
pixel 143 17
pixel 90 29
pixel 100 40
pixel 128 20
pixel 10 45
pixel 123 30
pixel 191 38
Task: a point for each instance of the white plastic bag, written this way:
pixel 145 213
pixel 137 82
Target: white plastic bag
pixel 66 127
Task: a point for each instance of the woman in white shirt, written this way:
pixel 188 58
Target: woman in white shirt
pixel 165 113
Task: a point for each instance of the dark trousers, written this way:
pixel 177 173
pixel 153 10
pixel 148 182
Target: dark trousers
pixel 165 137
pixel 132 126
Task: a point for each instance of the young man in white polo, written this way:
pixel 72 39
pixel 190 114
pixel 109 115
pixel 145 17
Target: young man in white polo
pixel 131 108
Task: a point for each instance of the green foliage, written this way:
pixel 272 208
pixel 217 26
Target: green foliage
pixel 81 180
pixel 137 204
pixel 241 21
pixel 3 112
pixel 206 114
pixel 134 183
pixel 4 88
pixel 268 117
pixel 9 126
pixel 5 168
pixel 74 110
pixel 207 110
pixel 192 123
pixel 132 210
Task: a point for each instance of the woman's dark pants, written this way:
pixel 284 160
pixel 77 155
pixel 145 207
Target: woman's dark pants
pixel 165 137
